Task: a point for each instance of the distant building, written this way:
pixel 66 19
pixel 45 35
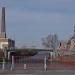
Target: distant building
pixel 4 41
pixel 62 45
pixel 72 40
pixel 68 45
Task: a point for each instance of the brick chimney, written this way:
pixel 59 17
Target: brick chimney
pixel 2 25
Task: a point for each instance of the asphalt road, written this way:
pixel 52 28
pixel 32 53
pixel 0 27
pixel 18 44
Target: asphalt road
pixel 31 72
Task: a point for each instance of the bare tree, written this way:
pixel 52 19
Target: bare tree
pixel 46 42
pixel 51 41
pixel 55 41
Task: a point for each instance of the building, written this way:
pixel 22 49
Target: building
pixel 62 45
pixel 68 45
pixel 72 40
pixel 5 42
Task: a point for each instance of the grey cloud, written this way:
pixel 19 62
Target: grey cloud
pixel 58 6
pixel 63 6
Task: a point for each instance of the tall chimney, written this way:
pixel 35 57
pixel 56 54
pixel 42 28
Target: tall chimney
pixel 2 26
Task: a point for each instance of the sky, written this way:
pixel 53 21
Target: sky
pixel 28 21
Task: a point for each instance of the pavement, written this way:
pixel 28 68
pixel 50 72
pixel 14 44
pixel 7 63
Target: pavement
pixel 37 72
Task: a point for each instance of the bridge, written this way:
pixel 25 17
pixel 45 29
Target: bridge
pixel 26 51
pixel 21 49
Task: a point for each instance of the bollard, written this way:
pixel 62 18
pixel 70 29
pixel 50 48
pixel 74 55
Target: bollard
pixel 24 66
pixel 45 65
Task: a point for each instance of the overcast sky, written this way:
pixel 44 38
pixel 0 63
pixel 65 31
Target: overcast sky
pixel 28 21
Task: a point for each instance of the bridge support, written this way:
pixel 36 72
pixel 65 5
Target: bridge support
pixel 3 64
pixel 9 55
pixel 51 55
pixel 12 64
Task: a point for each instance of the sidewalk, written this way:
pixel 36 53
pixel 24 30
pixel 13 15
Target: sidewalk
pixel 38 72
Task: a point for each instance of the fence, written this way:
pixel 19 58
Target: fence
pixel 32 63
pixel 23 62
